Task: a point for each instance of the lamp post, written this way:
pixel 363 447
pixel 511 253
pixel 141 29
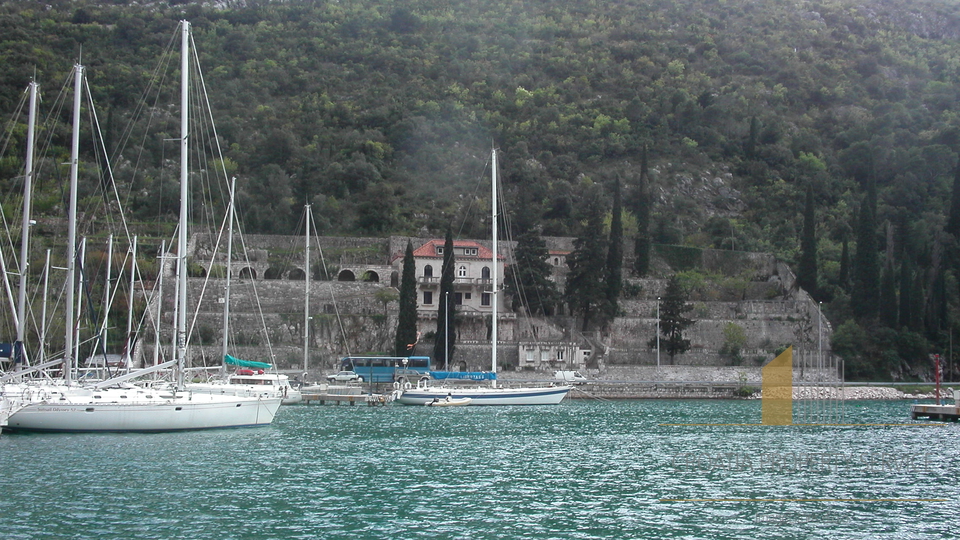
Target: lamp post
pixel 658 332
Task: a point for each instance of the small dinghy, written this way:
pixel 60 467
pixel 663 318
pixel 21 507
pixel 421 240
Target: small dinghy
pixel 448 402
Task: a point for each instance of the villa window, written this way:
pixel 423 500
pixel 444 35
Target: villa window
pixel 428 271
pixel 427 298
pixel 485 272
pixel 462 271
pixel 485 299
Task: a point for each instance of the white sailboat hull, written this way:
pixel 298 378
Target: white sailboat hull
pixel 550 395
pixel 252 385
pixel 142 410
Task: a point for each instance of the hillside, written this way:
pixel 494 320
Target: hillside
pixel 381 115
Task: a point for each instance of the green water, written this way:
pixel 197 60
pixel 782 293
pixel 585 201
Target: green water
pixel 577 470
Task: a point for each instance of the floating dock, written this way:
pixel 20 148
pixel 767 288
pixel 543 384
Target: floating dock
pixel 936 412
pixel 343 395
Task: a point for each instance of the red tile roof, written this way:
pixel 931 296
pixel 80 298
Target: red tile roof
pixel 429 250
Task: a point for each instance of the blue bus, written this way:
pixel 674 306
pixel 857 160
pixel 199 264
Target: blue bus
pixel 380 369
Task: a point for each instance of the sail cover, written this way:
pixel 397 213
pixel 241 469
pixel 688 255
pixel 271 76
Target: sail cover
pixel 227 359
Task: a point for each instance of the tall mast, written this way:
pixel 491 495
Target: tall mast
pixel 25 230
pixel 496 284
pixel 306 298
pixel 72 228
pixel 159 297
pixel 107 299
pixel 226 288
pixel 42 352
pixel 184 196
pixel 128 361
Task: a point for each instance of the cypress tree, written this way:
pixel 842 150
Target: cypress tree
pixel 888 297
pixel 807 267
pixel 443 343
pixel 407 319
pixel 614 266
pixel 585 292
pixel 866 277
pixel 642 243
pixel 915 323
pixel 673 305
pixel 528 279
pixel 953 219
pixel 844 275
pixel 905 312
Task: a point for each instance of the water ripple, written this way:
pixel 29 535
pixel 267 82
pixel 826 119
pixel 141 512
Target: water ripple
pixel 581 470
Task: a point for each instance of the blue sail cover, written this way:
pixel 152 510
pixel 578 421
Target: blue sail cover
pixel 227 359
pixel 466 375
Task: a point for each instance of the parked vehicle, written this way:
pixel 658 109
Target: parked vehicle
pixel 345 376
pixel 570 377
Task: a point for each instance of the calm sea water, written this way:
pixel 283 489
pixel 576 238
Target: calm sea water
pixel 583 469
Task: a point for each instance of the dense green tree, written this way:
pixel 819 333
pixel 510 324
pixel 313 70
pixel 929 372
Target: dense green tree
pixel 527 281
pixel 673 322
pixel 807 266
pixel 613 280
pixel 905 313
pixel 643 241
pixel 585 292
pixel 865 297
pixel 915 323
pixel 888 296
pixel 407 337
pixel 953 215
pixel 843 277
pixel 443 345
pixel 750 146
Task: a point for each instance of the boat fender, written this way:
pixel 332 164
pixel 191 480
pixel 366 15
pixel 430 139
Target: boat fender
pixel 407 386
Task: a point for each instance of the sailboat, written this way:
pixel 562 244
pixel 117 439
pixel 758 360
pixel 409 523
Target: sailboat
pixel 250 377
pixel 425 394
pixel 115 404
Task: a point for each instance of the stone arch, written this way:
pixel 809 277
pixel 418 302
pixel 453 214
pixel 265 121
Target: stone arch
pixel 297 274
pixel 346 275
pixel 247 272
pixel 273 273
pixel 395 279
pixel 370 276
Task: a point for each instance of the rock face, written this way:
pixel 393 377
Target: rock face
pixel 752 291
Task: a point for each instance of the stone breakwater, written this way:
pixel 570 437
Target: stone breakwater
pixel 860 392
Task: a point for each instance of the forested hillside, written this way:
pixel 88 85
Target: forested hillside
pixel 382 113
